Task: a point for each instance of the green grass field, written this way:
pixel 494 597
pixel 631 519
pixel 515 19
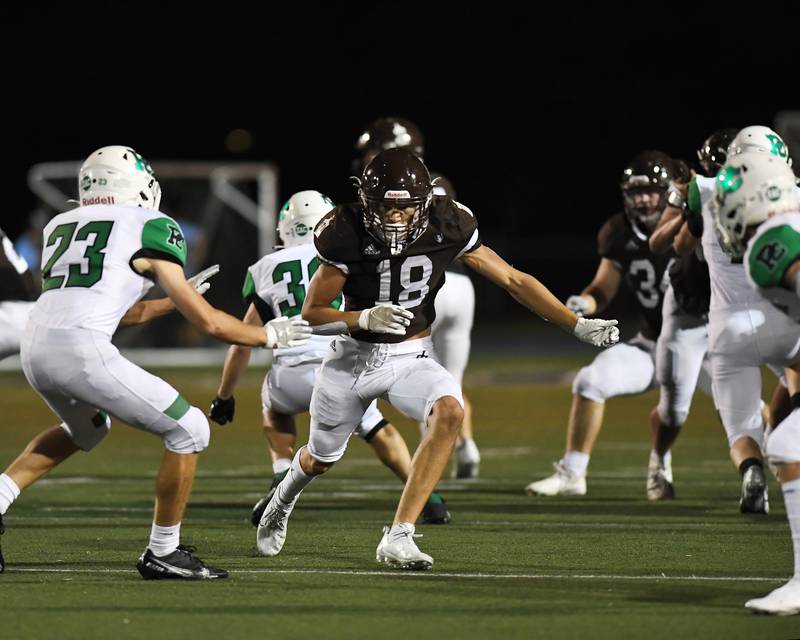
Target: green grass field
pixel 609 565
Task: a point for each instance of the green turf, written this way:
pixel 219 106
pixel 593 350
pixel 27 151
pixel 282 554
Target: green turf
pixel 610 565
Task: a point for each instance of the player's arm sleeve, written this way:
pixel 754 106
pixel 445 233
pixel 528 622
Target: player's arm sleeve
pixel 608 240
pixel 771 254
pixel 328 240
pixel 251 296
pixel 469 229
pixel 694 209
pixel 162 239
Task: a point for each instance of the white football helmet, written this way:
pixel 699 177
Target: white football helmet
pixel 299 215
pixel 750 188
pixel 759 139
pixel 118 175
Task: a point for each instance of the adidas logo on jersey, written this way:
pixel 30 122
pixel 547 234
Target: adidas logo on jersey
pixel 371 250
pixel 97 200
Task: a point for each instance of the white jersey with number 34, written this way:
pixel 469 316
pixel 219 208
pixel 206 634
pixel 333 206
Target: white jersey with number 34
pixel 277 286
pixel 88 281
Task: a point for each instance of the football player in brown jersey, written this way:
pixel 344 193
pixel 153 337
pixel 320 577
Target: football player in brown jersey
pixel 455 303
pixel 629 367
pixel 387 254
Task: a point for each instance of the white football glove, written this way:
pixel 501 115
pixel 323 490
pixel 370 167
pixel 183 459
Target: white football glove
pixel 386 318
pixel 599 333
pixel 199 281
pixel 286 332
pixel 579 305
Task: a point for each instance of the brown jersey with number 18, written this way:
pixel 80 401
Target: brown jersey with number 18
pixel 410 279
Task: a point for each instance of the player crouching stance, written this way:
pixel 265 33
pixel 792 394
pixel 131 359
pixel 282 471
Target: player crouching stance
pixel 758 208
pixel 99 260
pixel 387 254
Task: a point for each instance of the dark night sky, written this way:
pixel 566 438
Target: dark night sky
pixel 531 110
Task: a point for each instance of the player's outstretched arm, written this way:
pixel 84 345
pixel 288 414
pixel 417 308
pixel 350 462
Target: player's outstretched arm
pixel 148 310
pixel 532 294
pixel 145 311
pixel 194 307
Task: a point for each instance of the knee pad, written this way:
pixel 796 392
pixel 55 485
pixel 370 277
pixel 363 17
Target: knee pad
pixel 88 436
pixel 190 433
pixel 671 417
pixel 327 443
pixel 588 384
pixel 669 413
pixel 754 433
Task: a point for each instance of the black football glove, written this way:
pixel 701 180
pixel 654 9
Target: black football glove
pixel 222 410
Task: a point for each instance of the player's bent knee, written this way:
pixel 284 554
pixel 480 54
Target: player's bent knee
pixel 756 435
pixel 318 467
pixel 672 417
pixel 326 446
pixel 448 411
pixel 191 433
pixel 87 436
pixel 588 384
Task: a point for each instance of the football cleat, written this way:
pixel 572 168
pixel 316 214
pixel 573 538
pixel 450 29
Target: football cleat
pixel 181 564
pixel 784 601
pixel 272 527
pixel 435 510
pixel 755 498
pixel 562 483
pixel 2 531
pixel 258 509
pixel 466 460
pixel 659 482
pixel 399 550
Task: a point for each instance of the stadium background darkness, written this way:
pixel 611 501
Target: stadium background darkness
pixel 530 110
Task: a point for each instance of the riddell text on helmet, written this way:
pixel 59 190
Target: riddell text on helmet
pixel 97 200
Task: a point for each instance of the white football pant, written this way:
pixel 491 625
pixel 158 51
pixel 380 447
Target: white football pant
pixel 355 373
pixel 83 377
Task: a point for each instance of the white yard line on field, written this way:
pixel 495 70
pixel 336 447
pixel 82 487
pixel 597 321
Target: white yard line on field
pixel 436 574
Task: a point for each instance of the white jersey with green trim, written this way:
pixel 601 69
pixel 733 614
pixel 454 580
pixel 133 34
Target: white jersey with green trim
pixel 729 287
pixel 277 286
pixel 87 278
pixel 771 251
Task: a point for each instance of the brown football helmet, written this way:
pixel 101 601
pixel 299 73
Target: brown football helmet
pixel 389 132
pixel 714 152
pixel 644 187
pixel 395 191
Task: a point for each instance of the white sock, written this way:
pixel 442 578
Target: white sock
pixel 164 540
pixel 401 529
pixel 791 500
pixel 295 481
pixel 9 491
pixel 576 462
pixel 659 461
pixel 281 465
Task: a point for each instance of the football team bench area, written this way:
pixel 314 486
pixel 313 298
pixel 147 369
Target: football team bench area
pixel 607 565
